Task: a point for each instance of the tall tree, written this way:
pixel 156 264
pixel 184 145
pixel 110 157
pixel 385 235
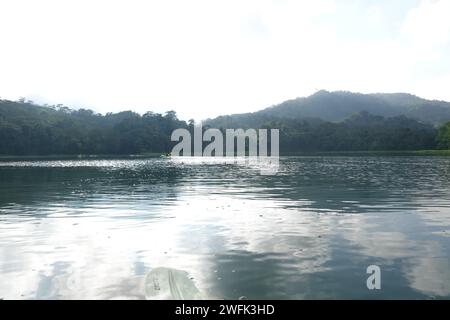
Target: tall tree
pixel 443 137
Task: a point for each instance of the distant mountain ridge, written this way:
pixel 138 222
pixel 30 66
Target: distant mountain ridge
pixel 325 121
pixel 340 105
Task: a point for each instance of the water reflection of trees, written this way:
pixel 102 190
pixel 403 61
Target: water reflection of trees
pixel 82 183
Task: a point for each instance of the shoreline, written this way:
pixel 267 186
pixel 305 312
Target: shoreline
pixel 371 153
pixel 155 154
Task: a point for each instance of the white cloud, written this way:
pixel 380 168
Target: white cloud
pixel 429 23
pixel 204 58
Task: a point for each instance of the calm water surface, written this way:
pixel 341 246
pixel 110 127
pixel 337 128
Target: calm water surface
pixel 94 228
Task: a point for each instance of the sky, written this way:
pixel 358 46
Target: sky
pixel 204 58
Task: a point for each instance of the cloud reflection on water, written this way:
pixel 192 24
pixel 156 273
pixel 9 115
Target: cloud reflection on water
pixel 306 233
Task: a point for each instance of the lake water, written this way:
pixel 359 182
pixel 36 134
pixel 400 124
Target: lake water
pixel 93 229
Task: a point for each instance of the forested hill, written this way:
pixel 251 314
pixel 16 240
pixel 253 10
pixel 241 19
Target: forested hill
pixel 338 106
pixel 361 131
pixel 29 129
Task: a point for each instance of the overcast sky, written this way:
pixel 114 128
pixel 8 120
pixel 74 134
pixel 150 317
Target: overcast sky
pixel 205 58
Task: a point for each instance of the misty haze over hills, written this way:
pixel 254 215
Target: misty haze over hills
pixel 340 105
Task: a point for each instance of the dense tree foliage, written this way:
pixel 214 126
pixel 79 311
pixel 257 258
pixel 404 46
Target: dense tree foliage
pixel 443 137
pixel 362 131
pixel 338 106
pixel 28 129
